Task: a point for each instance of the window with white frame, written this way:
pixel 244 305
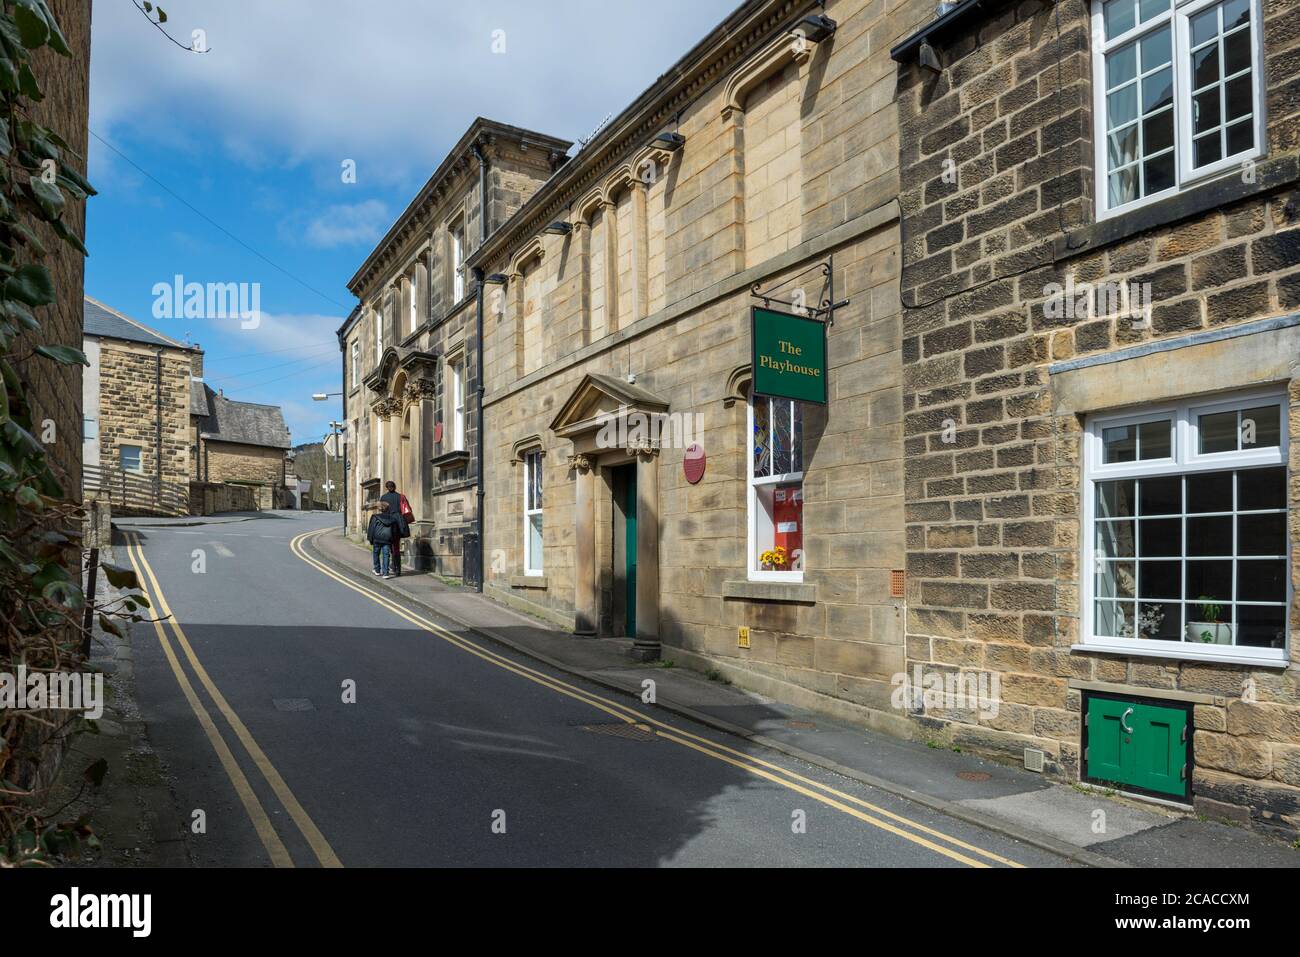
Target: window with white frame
pixel 130 459
pixel 1179 92
pixel 775 500
pixel 533 512
pixel 356 363
pixel 458 262
pixel 379 335
pixel 1186 551
pixel 456 400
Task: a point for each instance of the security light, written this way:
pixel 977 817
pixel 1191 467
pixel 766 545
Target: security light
pixel 815 27
pixel 559 228
pixel 496 279
pixel 928 58
pixel 671 142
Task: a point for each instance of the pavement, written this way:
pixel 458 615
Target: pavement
pixel 1084 824
pixel 310 714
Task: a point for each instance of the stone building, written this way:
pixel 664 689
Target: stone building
pixel 1101 388
pixel 239 444
pixel 410 349
pixel 636 485
pixel 136 398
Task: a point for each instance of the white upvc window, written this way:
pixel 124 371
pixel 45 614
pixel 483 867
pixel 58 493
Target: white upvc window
pixel 1186 552
pixel 457 262
pixel 533 512
pixel 775 490
pixel 356 363
pixel 130 458
pixel 1178 93
pixel 456 401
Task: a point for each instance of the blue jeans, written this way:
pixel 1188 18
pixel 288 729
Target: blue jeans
pixel 380 554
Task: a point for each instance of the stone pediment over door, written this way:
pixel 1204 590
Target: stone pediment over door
pixel 596 401
pixel 415 362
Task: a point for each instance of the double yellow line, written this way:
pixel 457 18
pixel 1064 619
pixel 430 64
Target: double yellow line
pixel 266 832
pixel 855 807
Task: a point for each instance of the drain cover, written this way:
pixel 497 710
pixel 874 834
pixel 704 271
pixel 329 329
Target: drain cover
pixel 974 775
pixel 293 704
pixel 621 729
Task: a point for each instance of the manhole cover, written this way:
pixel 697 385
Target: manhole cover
pixel 621 729
pixel 801 725
pixel 974 775
pixel 293 704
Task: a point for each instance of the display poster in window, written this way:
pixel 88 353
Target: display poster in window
pixel 787 519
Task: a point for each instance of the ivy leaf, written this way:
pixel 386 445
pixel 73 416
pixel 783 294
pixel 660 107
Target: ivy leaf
pixel 67 355
pixel 49 196
pixel 95 773
pixel 66 594
pixel 109 625
pixel 31 284
pixel 68 236
pixel 120 577
pixel 28 497
pixel 32 25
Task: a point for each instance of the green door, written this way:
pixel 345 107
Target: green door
pixel 629 513
pixel 1137 744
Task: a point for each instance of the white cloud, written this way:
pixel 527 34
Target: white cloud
pixel 347 224
pixel 389 84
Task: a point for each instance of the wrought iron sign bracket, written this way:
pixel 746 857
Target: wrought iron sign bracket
pixel 827 307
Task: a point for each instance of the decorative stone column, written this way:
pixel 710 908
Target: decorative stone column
pixel 584 562
pixel 645 646
pixel 422 394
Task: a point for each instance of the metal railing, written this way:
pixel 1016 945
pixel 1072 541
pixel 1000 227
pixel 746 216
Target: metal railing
pixel 134 493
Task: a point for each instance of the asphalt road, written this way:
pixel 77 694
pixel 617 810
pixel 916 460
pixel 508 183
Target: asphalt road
pixel 452 757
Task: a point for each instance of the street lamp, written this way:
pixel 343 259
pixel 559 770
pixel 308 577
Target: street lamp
pixel 322 396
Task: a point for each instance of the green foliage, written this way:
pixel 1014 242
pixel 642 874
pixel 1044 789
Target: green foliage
pixel 41 599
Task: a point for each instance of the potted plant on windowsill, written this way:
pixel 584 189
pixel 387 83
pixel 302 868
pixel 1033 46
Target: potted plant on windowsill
pixel 773 560
pixel 1211 630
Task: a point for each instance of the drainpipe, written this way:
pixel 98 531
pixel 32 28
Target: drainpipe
pixel 478 360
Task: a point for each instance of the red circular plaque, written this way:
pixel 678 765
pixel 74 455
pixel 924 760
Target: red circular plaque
pixel 693 463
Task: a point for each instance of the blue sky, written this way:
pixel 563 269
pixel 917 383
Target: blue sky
pixel 253 136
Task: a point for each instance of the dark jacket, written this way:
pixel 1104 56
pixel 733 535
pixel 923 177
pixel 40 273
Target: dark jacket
pixel 384 528
pixel 394 500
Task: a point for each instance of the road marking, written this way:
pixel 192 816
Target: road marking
pixel 311 834
pixel 832 797
pixel 256 813
pixel 221 550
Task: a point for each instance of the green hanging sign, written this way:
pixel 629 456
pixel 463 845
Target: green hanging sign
pixel 789 355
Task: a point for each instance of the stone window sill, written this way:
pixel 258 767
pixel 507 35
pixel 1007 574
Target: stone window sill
pixel 452 459
pixel 528 581
pixel 799 592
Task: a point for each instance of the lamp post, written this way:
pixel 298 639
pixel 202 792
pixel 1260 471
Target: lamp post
pixel 336 429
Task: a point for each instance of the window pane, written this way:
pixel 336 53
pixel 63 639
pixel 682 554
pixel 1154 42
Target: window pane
pixel 1116 579
pixel 1123 145
pixel 1119 16
pixel 1158 131
pixel 787 520
pixel 1157 90
pixel 535 541
pixel 1160 536
pixel 1123 187
pixel 1151 8
pixel 1159 620
pixel 1205 110
pixel 1160 580
pixel 1241 137
pixel 1158 174
pixel 1155 49
pixel 1261 626
pixel 1122 106
pixel 1209 536
pixel 782 459
pixel 1204 26
pixel 1121 66
pixel 1261 427
pixel 1261 580
pixel 1119 444
pixel 1209 581
pixel 1209 492
pixel 1208 149
pixel 1161 496
pixel 1261 488
pixel 796 451
pixel 1115 540
pixel 1235 13
pixel 1114 619
pixel 1115 499
pixel 1218 432
pixel 1155 439
pixel 1238 97
pixel 1205 67
pixel 1261 534
pixel 1236 52
pixel 762 437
